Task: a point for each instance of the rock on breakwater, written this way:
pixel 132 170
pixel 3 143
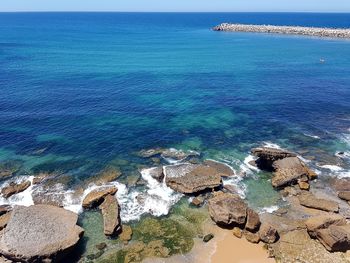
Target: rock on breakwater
pixel 288 30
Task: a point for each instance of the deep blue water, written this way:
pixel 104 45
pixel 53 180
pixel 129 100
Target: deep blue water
pixel 89 88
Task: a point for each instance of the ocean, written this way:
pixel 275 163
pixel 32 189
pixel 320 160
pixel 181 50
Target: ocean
pixel 80 92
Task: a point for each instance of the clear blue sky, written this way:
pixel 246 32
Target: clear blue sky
pixel 177 5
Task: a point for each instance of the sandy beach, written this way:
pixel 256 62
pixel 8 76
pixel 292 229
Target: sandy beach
pixel 223 248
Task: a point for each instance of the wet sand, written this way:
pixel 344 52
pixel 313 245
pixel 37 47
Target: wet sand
pixel 223 248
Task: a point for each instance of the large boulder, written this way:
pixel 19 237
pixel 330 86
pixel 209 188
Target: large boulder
pixel 253 220
pixel 335 238
pixel 228 209
pixel 288 171
pixel 157 173
pixel 95 197
pixel 268 234
pixel 191 178
pixel 110 212
pixel 39 233
pixel 266 156
pixel 316 223
pixel 309 200
pixel 14 188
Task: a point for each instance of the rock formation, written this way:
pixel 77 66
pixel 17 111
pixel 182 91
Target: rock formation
pixel 39 233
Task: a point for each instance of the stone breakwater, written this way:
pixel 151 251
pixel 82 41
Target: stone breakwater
pixel 290 30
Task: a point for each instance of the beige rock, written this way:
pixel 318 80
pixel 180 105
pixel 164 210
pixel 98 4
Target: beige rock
pixel 316 223
pixel 110 213
pixel 335 238
pixel 251 237
pixel 345 195
pixel 237 232
pixel 253 220
pixel 309 200
pixel 126 234
pixel 268 234
pixel 14 188
pixel 96 196
pixel 227 209
pixel 39 233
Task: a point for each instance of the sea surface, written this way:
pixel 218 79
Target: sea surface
pixel 80 92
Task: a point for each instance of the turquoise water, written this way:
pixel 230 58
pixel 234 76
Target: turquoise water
pixel 82 91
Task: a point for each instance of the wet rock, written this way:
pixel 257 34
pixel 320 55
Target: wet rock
pixel 5 209
pixel 126 234
pixel 230 189
pixel 316 223
pixel 288 171
pixel 9 168
pixel 14 188
pixel 266 156
pixel 227 209
pixel 208 237
pixel 251 237
pixel 95 197
pixel 335 238
pixel 237 232
pixel 222 169
pixel 48 198
pixel 309 200
pixel 303 185
pixel 253 220
pixel 107 175
pixel 178 154
pixel 157 173
pixel 191 178
pixel 101 246
pixel 268 234
pixel 39 233
pixel 345 195
pixel 110 213
pixel 4 220
pixel 197 201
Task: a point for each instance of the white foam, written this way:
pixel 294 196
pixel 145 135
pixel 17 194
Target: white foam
pixel 271 145
pixel 24 198
pixel 333 168
pixel 312 136
pixel 269 209
pixel 246 166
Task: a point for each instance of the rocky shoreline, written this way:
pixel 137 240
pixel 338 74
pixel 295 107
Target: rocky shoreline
pixel 311 216
pixel 288 30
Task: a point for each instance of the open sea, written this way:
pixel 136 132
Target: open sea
pixel 80 92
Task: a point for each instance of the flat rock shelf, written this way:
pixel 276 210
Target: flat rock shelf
pixel 288 30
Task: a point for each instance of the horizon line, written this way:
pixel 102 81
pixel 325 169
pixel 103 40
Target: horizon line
pixel 223 12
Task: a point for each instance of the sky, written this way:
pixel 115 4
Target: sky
pixel 178 5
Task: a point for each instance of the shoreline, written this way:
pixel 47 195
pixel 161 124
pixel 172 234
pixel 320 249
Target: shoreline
pixel 219 249
pixel 343 33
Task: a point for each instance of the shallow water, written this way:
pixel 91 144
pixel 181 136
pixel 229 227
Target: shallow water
pixel 84 91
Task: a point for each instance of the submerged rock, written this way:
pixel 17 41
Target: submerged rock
pixel 309 200
pixel 14 188
pixel 110 212
pixel 95 197
pixel 227 209
pixel 9 168
pixel 191 178
pixel 288 171
pixel 39 233
pixel 266 156
pixel 126 234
